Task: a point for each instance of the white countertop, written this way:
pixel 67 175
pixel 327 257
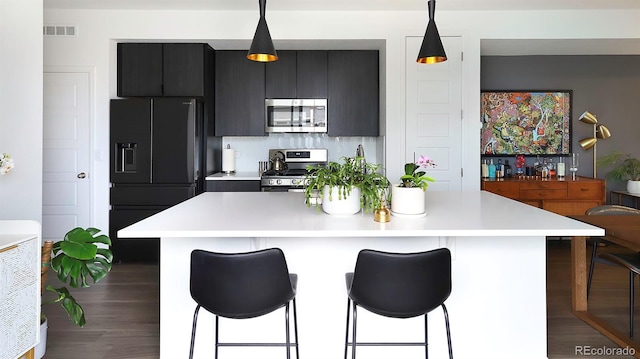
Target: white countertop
pixel 281 214
pixel 238 176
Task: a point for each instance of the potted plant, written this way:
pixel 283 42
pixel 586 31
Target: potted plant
pixel 624 168
pixel 77 259
pixel 346 187
pixel 407 197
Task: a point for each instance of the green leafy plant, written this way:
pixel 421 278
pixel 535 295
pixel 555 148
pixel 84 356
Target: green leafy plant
pixel 350 173
pixel 77 259
pixel 623 166
pixel 414 176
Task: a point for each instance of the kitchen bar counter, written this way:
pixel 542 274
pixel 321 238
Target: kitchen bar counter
pixel 237 176
pixel 497 307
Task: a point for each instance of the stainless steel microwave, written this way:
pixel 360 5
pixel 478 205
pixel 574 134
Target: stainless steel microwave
pixel 296 115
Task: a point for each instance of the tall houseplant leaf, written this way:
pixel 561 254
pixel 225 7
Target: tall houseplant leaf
pixel 76 259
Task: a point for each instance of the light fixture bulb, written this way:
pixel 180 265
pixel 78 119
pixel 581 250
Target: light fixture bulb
pixel 602 132
pixel 587 143
pixel 588 117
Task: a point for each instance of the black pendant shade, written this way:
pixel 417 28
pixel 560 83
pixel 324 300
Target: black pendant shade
pixel 262 49
pixel 431 51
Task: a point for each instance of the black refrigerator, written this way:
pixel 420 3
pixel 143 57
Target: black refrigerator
pixel 157 149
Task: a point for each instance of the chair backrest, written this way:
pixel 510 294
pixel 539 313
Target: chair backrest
pixel 612 210
pixel 240 285
pixel 401 285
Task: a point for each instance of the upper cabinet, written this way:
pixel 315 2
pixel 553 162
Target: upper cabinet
pixel 353 89
pixel 163 69
pixel 297 74
pixel 239 95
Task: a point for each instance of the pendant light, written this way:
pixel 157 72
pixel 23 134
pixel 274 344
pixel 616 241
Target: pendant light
pixel 262 49
pixel 431 51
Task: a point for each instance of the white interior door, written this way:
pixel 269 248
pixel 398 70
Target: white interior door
pixel 434 113
pixel 66 190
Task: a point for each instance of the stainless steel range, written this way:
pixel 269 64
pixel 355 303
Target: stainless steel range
pixel 295 162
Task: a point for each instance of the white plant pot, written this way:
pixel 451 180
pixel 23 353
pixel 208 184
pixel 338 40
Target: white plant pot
pixel 345 206
pixel 41 347
pixel 633 187
pixel 408 200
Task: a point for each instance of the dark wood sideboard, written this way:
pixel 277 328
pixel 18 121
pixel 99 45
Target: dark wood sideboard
pixel 561 196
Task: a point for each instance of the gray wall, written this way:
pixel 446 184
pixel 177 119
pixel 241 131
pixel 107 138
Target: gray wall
pixel 606 86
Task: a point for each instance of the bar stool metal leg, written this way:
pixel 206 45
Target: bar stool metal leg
pixel 295 328
pixel 353 343
pixel 288 339
pixel 632 277
pixel 446 322
pixel 426 337
pixel 346 336
pixel 193 330
pixel 216 339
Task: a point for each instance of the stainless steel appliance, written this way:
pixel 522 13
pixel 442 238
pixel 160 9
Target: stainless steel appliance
pixel 156 161
pixel 296 115
pixel 291 178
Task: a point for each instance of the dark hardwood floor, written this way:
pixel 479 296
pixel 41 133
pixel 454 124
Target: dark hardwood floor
pixel 122 312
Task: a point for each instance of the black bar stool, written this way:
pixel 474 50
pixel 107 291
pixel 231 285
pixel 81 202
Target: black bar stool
pixel 631 261
pixel 607 210
pixel 399 285
pixel 241 286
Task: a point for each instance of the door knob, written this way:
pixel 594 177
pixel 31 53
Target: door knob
pixel 82 175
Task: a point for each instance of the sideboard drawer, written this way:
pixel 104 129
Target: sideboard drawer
pixel 505 189
pixel 585 190
pixel 543 185
pixel 543 193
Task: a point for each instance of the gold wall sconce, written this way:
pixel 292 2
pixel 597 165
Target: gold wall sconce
pixel 599 132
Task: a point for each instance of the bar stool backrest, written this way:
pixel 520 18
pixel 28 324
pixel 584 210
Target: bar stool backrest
pixel 240 285
pixel 612 210
pixel 401 285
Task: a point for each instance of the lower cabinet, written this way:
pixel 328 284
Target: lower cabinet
pixel 233 186
pixel 19 287
pixel 565 197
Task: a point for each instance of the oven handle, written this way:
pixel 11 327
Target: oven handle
pixel 295 190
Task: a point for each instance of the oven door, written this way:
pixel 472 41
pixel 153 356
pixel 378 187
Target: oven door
pixel 281 189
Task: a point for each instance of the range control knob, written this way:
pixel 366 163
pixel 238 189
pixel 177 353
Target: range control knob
pixel 279 181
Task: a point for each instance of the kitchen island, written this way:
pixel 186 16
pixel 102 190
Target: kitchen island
pixel 497 307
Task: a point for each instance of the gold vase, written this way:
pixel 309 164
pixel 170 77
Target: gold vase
pixel 382 214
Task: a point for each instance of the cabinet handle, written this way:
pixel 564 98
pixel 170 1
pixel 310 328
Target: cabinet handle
pixel 8 248
pixel 584 189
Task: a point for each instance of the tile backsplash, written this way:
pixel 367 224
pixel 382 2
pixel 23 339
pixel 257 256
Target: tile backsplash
pixel 251 150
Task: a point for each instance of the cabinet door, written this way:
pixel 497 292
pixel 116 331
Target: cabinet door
pixel 281 76
pixel 234 186
pixel 311 74
pixel 353 93
pixel 239 95
pixel 139 69
pixel 183 69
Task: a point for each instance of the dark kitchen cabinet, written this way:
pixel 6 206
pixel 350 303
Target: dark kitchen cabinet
pixel 353 93
pixel 234 186
pixel 297 74
pixel 239 95
pixel 163 69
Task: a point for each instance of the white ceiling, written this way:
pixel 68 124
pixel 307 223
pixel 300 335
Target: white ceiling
pixel 498 47
pixel 345 5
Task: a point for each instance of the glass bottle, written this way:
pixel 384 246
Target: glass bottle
pixel 507 169
pixel 484 169
pixel 492 169
pixel 560 171
pixel 499 169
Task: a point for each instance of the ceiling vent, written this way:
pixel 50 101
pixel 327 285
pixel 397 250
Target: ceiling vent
pixel 60 30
